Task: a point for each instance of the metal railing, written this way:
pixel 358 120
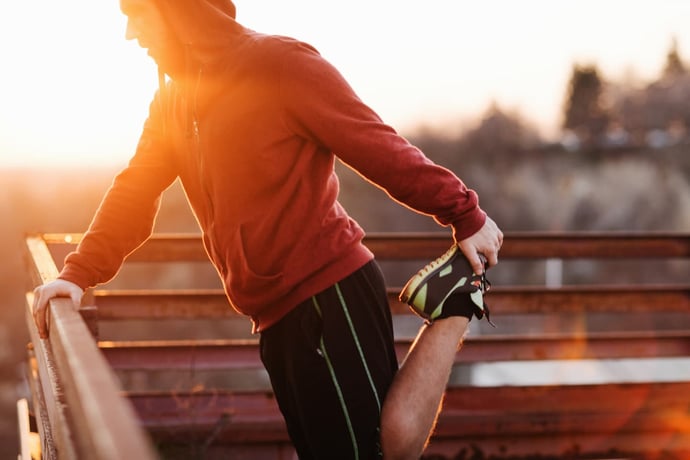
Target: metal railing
pixel 100 398
pixel 77 398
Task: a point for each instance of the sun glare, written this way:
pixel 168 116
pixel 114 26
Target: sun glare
pixel 74 91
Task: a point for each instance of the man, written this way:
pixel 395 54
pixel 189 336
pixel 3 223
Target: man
pixel 252 125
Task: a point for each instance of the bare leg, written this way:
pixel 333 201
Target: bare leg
pixel 414 398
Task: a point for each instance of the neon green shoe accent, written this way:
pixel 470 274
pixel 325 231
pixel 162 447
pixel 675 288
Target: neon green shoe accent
pixel 446 271
pixel 420 298
pixel 478 299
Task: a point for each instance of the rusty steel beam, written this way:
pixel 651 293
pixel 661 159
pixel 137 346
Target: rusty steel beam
pixel 568 423
pixel 576 299
pixel 227 354
pixel 595 245
pixel 158 248
pixel 242 416
pixel 586 345
pixel 171 247
pixel 156 304
pixel 461 402
pixel 604 298
pixel 411 246
pixel 649 445
pixel 244 354
pixel 614 398
pixel 486 417
pixel 212 303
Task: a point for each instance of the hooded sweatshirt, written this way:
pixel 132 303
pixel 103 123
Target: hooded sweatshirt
pixel 252 130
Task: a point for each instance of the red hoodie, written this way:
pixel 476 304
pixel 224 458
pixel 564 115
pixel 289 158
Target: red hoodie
pixel 253 135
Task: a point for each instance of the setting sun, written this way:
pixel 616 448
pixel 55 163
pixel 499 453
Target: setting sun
pixel 75 91
pixel 77 87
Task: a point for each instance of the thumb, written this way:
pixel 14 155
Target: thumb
pixel 76 298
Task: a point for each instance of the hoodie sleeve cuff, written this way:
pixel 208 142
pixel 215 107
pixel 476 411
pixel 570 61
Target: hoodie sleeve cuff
pixel 72 275
pixel 469 225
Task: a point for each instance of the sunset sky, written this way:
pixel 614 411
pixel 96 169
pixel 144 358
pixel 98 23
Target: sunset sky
pixel 74 92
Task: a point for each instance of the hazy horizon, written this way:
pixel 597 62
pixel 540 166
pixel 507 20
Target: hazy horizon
pixel 78 92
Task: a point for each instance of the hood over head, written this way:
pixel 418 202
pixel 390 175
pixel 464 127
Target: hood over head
pixel 202 28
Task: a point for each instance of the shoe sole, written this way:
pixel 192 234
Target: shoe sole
pixel 412 287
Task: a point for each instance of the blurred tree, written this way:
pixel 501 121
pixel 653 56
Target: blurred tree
pixel 668 98
pixel 497 141
pixel 658 114
pixel 584 113
pixel 501 133
pixel 674 64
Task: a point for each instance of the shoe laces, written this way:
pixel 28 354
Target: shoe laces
pixel 484 285
pixel 482 282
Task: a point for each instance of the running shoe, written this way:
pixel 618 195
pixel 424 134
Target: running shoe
pixel 428 292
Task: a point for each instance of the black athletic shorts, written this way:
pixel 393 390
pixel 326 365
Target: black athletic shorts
pixel 331 361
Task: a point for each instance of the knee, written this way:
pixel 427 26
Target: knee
pixel 401 437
